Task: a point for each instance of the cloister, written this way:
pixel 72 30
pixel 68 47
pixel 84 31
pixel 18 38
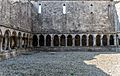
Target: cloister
pixel 84 40
pixel 14 39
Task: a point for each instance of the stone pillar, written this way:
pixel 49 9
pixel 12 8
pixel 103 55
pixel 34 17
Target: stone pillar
pixel 73 40
pixel 87 40
pixel 80 39
pixel 5 45
pixel 66 40
pixel 44 40
pixel 1 44
pixel 59 40
pixel 38 40
pixel 108 41
pixel 101 38
pixel 94 40
pixel 51 40
pixel 115 40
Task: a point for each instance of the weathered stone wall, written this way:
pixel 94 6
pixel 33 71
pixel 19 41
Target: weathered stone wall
pixel 81 16
pixel 16 14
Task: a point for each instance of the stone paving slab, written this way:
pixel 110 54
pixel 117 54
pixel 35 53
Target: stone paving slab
pixel 62 64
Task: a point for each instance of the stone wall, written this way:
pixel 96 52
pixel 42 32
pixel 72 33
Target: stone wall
pixel 16 14
pixel 81 16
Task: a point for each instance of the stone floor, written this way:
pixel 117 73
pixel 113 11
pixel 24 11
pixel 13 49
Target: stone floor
pixel 62 64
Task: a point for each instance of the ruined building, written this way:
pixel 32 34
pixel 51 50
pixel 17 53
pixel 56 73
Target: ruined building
pixel 87 25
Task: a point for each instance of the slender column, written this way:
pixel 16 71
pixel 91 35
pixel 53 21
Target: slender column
pixel 115 40
pixel 80 39
pixel 66 40
pixel 1 44
pixel 59 40
pixel 44 40
pixel 87 40
pixel 108 39
pixel 101 38
pixel 38 40
pixel 9 45
pixel 51 40
pixel 5 45
pixel 94 40
pixel 73 40
pixel 20 43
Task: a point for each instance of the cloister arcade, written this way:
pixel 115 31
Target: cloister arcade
pixel 84 40
pixel 14 39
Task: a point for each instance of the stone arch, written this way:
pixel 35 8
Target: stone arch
pixel 13 40
pixel 77 40
pixel 41 40
pixel 6 40
pixel 104 40
pixel 84 40
pixel 69 40
pixel 35 40
pixel 90 40
pixel 111 41
pixel 19 39
pixel 98 40
pixel 62 40
pixel 56 40
pixel 48 40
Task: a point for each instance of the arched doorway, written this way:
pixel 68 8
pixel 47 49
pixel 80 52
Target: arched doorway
pixel 104 40
pixel 35 40
pixel 69 40
pixel 77 40
pixel 13 40
pixel 111 41
pixel 62 40
pixel 41 40
pixel 48 40
pixel 90 40
pixel 56 40
pixel 98 40
pixel 6 40
pixel 84 40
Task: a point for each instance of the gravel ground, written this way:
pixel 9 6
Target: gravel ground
pixel 62 64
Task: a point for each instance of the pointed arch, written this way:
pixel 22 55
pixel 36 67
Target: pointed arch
pixel 84 40
pixel 63 40
pixel 77 40
pixel 48 40
pixel 56 40
pixel 98 40
pixel 90 40
pixel 41 40
pixel 104 40
pixel 69 40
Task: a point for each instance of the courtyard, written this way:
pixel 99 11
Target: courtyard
pixel 62 64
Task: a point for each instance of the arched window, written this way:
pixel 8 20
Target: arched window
pixel 62 40
pixel 56 40
pixel 48 40
pixel 84 40
pixel 35 40
pixel 104 40
pixel 77 40
pixel 69 40
pixel 90 40
pixel 98 40
pixel 111 41
pixel 41 40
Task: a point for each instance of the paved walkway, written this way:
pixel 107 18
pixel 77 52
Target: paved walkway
pixel 62 64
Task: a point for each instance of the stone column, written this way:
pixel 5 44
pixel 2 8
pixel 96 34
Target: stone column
pixel 94 40
pixel 80 39
pixel 73 40
pixel 115 40
pixel 51 40
pixel 1 44
pixel 9 44
pixel 101 38
pixel 108 41
pixel 66 40
pixel 38 40
pixel 44 40
pixel 87 40
pixel 59 40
